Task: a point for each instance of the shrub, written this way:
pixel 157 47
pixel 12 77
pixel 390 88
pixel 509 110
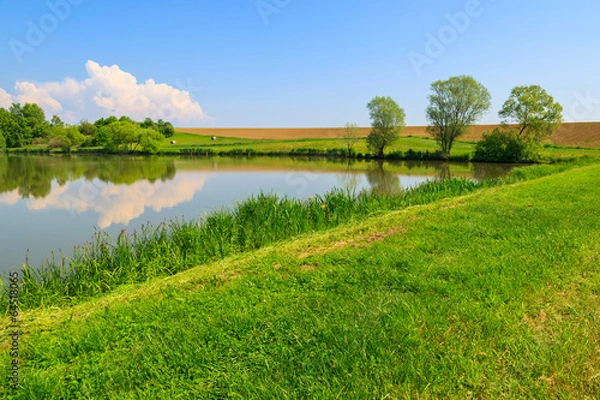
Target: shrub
pixel 503 146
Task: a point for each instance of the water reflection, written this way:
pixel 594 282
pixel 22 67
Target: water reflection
pixel 383 181
pixel 49 203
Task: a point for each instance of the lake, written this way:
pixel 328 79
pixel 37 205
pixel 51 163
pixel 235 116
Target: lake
pixel 53 203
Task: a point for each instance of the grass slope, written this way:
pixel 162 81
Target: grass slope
pixel 494 294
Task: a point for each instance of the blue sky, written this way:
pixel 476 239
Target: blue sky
pixel 290 63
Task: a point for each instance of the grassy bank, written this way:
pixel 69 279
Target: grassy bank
pixel 494 294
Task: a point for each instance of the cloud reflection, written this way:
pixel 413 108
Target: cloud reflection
pixel 115 204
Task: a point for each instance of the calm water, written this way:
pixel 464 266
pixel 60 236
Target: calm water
pixel 54 203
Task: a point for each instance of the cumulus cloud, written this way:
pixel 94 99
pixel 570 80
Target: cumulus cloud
pixel 115 204
pixel 109 91
pixel 5 99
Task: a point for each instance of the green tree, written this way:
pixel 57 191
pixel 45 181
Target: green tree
pixel 387 122
pixel 502 146
pixel 149 124
pixel 32 119
pixel 2 141
pixel 56 121
pixel 149 140
pixel 65 137
pixel 165 128
pixel 455 104
pixel 88 130
pixel 350 135
pixel 13 133
pixel 536 112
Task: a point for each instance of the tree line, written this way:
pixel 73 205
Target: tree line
pixel 460 102
pixel 26 125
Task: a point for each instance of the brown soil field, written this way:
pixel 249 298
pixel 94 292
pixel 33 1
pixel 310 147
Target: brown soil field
pixel 582 134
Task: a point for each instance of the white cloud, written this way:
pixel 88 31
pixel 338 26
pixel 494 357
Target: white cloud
pixel 109 91
pixel 5 99
pixel 115 204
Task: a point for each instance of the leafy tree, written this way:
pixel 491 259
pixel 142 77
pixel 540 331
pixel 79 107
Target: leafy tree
pixel 350 135
pixel 149 140
pixel 536 112
pixel 454 105
pixel 502 146
pixel 149 124
pixel 387 121
pixel 32 119
pixel 13 133
pixel 87 128
pixel 2 141
pixel 56 121
pixel 65 137
pixel 105 121
pixel 165 128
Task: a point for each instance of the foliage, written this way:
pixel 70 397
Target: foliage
pixel 534 110
pixel 387 121
pixel 350 135
pixel 454 105
pixel 502 146
pixel 2 141
pixel 87 129
pixel 65 137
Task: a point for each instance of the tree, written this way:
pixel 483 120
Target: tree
pixel 502 146
pixel 455 104
pixel 87 128
pixel 165 128
pixel 149 140
pixel 2 141
pixel 387 121
pixel 350 135
pixel 13 133
pixel 536 112
pixel 56 121
pixel 65 137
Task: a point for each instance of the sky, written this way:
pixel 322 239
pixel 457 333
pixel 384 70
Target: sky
pixel 289 63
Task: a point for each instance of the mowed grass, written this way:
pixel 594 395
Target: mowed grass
pixel 491 295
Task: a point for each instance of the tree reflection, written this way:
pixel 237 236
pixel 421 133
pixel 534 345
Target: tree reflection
pixel 32 176
pixel 382 181
pixel 350 179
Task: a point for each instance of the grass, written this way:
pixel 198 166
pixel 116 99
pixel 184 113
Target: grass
pixel 461 149
pixel 491 295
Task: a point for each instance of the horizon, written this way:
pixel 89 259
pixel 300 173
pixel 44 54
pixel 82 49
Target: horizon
pixel 289 64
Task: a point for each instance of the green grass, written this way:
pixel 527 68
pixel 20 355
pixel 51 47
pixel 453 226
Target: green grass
pixel 491 295
pixel 417 144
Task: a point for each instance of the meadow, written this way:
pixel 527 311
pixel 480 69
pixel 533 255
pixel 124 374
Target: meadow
pixel 265 141
pixel 486 291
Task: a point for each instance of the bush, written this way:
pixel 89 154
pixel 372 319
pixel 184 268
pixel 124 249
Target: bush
pixel 501 146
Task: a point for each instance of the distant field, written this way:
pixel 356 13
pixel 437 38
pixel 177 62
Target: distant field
pixel 585 134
